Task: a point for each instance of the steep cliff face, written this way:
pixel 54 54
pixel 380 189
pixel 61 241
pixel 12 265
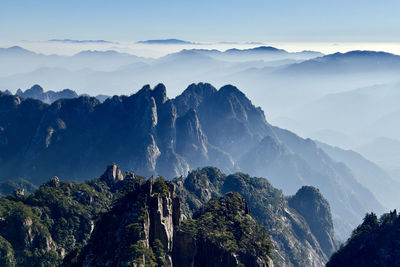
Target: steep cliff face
pixel 310 204
pixel 138 230
pixel 293 238
pixel 191 142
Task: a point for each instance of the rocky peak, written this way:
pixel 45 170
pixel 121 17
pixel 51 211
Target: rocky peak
pixel 145 90
pixel 315 209
pixel 160 93
pixel 112 175
pixel 54 182
pixel 143 222
pixel 35 91
pixel 19 192
pixel 193 96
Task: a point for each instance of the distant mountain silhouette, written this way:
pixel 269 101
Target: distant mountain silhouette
pixel 80 41
pixel 350 62
pixel 36 92
pixel 166 42
pixel 372 176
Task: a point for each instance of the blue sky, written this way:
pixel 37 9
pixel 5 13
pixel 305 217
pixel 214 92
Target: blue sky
pixel 205 20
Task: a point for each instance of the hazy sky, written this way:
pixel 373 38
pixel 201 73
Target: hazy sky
pixel 202 20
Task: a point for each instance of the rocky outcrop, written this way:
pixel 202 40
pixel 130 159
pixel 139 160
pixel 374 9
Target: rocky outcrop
pixel 315 209
pixel 143 220
pixel 294 242
pixel 112 175
pixel 207 239
pixel 144 228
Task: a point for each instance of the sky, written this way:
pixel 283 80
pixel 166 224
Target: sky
pixel 203 21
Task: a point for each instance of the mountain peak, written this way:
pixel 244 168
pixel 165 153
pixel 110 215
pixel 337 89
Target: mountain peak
pixel 35 89
pixel 309 202
pixel 230 89
pixel 193 96
pixel 17 50
pixel 160 93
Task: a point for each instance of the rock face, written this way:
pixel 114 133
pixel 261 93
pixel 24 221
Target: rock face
pixel 112 175
pixel 151 134
pixel 315 209
pixel 204 219
pixel 140 224
pixel 293 237
pixel 373 243
pixel 143 229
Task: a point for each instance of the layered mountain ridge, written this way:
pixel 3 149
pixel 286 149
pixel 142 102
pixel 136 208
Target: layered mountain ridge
pixel 150 133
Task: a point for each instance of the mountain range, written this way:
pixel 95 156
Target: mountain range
pixel 48 97
pixel 205 219
pixel 150 133
pixel 165 42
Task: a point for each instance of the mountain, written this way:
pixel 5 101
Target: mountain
pixel 124 219
pixel 19 61
pixel 290 161
pixel 48 97
pixel 385 126
pixel 350 62
pixel 10 186
pixel 107 72
pixel 367 173
pixel 80 41
pixel 315 209
pixel 260 53
pixel 15 50
pixel 36 92
pixel 357 116
pixel 297 240
pixel 385 152
pixel 373 243
pixel 149 133
pixel 165 42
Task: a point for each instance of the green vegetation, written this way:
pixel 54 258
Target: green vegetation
pixel 38 229
pixel 376 242
pixel 9 186
pixel 160 186
pixel 227 225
